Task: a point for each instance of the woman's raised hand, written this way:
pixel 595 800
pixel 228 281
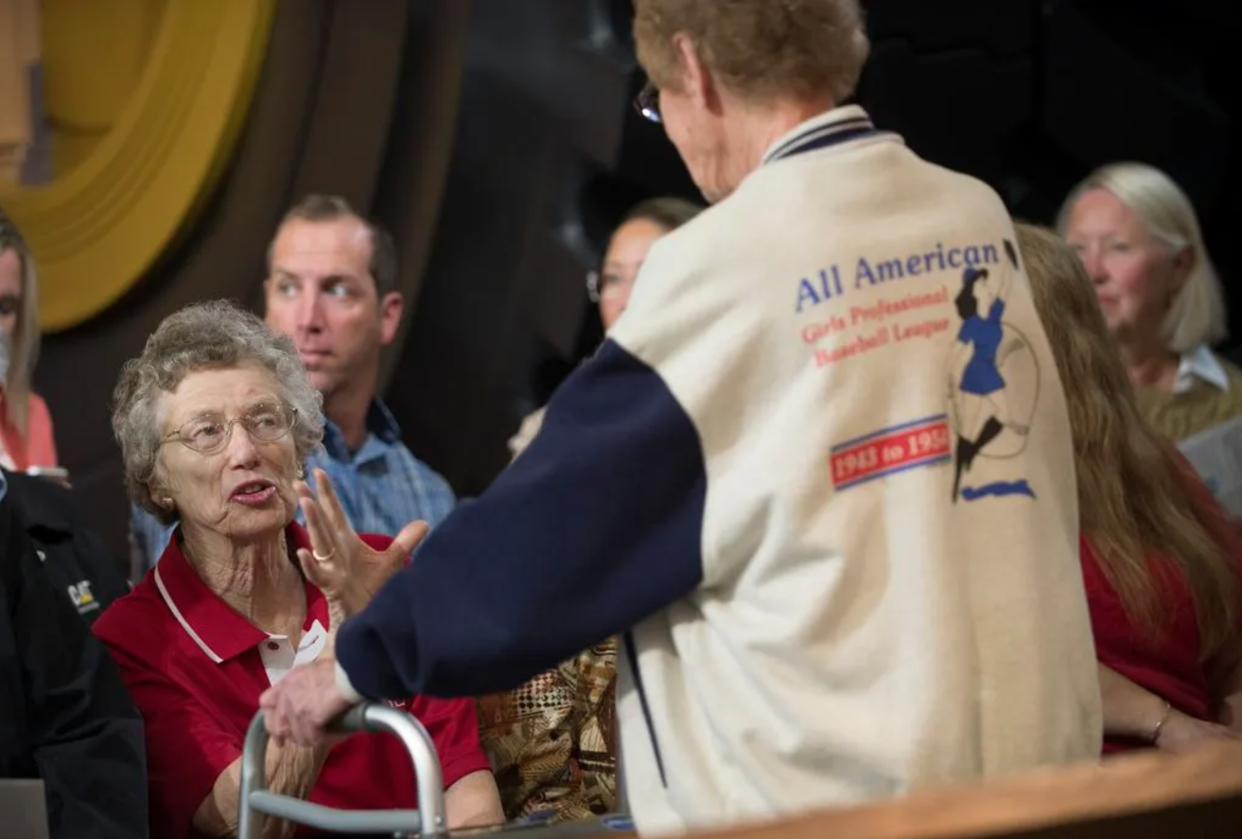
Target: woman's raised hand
pixel 345 568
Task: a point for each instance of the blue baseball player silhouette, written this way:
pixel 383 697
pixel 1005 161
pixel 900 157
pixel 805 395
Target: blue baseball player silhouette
pixel 983 407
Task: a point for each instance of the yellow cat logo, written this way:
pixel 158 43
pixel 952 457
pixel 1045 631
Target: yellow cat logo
pixel 82 597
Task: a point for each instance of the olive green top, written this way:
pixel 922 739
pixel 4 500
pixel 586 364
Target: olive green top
pixel 1208 392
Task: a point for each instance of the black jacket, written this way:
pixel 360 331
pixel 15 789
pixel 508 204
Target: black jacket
pixel 74 555
pixel 65 715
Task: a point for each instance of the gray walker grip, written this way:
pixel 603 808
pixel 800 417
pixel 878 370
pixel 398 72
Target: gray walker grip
pixel 257 803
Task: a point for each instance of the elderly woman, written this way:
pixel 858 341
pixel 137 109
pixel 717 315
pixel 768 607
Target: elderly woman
pixel 1161 562
pixel 26 437
pixel 1138 237
pixel 215 420
pixel 750 482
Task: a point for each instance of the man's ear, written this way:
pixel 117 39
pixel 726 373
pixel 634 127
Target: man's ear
pixel 392 307
pixel 697 80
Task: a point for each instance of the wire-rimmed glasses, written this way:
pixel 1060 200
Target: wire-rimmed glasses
pixel 608 284
pixel 647 103
pixel 210 433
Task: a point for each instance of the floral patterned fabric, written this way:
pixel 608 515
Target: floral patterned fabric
pixel 552 741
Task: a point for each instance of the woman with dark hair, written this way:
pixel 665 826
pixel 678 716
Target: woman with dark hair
pixel 611 284
pixel 641 227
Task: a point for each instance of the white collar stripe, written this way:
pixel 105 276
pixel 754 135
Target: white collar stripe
pixel 172 607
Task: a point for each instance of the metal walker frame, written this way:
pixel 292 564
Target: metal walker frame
pixel 257 802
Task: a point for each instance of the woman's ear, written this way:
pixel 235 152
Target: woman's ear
pixel 160 495
pixel 1183 264
pixel 162 499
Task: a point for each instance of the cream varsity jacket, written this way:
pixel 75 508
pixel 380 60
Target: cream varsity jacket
pixel 819 478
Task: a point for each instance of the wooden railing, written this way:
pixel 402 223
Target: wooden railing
pixel 1150 795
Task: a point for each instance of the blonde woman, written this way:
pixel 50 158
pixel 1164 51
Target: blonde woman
pixel 1159 558
pixel 1138 237
pixel 26 437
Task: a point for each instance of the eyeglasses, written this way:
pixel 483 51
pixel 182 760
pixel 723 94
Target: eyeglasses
pixel 606 285
pixel 647 103
pixel 209 434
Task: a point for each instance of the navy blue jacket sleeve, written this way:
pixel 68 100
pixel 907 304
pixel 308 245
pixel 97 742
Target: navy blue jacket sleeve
pixel 595 526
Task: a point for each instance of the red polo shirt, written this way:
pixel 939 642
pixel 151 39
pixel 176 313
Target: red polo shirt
pixel 1169 665
pixel 195 668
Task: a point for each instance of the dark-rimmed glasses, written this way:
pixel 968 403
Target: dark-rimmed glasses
pixel 647 103
pixel 210 433
pixel 608 284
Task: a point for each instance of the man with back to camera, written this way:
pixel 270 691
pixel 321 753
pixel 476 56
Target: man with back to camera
pixel 332 287
pixel 754 479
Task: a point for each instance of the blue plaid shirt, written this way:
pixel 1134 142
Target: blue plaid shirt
pixel 382 487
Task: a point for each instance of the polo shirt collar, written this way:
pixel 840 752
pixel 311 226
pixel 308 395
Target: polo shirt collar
pixel 219 631
pixel 1202 365
pixel 381 426
pixel 834 127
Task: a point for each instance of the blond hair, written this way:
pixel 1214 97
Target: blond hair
pixel 1197 316
pixel 760 49
pixel 25 340
pixel 1132 490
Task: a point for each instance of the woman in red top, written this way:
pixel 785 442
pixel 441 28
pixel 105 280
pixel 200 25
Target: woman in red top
pixel 26 437
pixel 215 420
pixel 1160 559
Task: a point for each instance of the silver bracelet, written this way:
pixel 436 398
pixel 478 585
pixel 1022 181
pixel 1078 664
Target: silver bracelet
pixel 1155 733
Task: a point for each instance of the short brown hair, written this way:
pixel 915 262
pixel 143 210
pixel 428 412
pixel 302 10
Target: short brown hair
pixel 760 49
pixel 327 208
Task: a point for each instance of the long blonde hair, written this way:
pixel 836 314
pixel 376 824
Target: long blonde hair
pixel 25 340
pixel 1132 491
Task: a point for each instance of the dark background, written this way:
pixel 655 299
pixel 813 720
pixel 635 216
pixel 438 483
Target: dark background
pixel 496 140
